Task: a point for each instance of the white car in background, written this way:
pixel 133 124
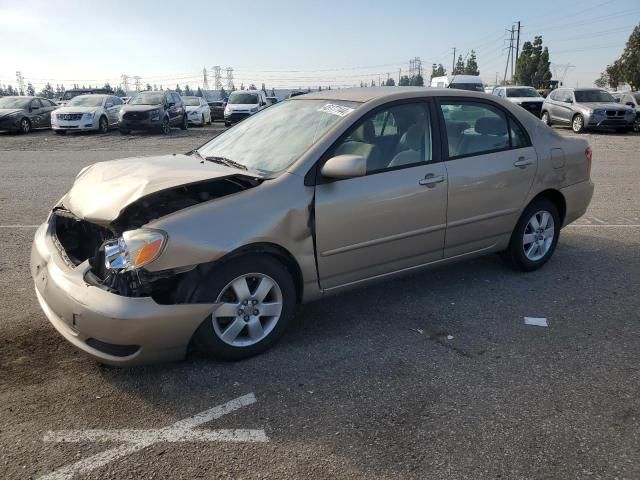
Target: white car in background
pixel 527 97
pixel 198 111
pixel 87 112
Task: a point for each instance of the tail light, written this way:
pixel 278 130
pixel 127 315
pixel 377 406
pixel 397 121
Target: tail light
pixel 588 153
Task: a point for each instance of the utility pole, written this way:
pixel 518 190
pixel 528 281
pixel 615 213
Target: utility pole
pixel 399 75
pixel 518 43
pixel 506 67
pixel 453 64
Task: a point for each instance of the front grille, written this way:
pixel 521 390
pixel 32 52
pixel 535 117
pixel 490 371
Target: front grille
pixel 69 116
pixel 533 107
pixel 615 113
pixel 236 116
pixel 135 115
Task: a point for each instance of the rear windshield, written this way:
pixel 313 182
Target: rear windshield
pixel 243 98
pixel 86 101
pixel 147 98
pixel 191 101
pixel 473 87
pixel 522 92
pixel 583 96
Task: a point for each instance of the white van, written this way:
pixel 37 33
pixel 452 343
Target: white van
pixel 242 104
pixel 461 82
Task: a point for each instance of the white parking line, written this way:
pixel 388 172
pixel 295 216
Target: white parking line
pixel 19 226
pixel 607 225
pixel 136 440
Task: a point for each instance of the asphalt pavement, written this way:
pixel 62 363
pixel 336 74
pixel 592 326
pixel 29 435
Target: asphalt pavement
pixel 431 376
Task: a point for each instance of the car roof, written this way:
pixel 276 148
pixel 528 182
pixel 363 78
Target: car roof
pixel 363 95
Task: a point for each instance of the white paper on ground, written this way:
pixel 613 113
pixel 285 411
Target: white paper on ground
pixel 538 322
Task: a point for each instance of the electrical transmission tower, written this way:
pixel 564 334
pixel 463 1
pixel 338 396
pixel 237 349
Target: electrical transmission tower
pixel 125 82
pixel 415 67
pixel 137 83
pixel 230 78
pixel 205 81
pixel 217 76
pixel 560 70
pixel 20 82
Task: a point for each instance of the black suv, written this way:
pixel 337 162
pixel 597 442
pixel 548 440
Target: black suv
pixel 153 111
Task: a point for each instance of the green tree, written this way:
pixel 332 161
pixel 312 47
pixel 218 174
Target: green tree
pixel 602 81
pixel 199 92
pixel 264 89
pixel 47 91
pixel 273 92
pixel 459 68
pixel 616 74
pixel 107 86
pixel 241 86
pixel 416 81
pixel 404 81
pixel 532 67
pixel 187 91
pixel 630 59
pixel 390 82
pixel 252 86
pixel 148 87
pixel 119 92
pixel 471 67
pixel 178 89
pixel 223 93
pixel 438 70
pixel 30 90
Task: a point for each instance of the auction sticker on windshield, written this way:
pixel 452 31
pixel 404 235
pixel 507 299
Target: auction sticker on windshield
pixel 339 110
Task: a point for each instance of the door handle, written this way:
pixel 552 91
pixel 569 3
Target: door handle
pixel 523 162
pixel 430 180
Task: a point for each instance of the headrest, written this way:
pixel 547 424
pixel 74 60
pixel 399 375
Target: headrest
pixel 491 126
pixel 364 133
pixel 413 137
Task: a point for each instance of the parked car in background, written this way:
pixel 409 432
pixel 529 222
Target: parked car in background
pixel 586 108
pixel 23 114
pixel 272 101
pixel 198 111
pixel 87 112
pixel 125 99
pixel 472 83
pixel 74 92
pixel 153 111
pixel 217 109
pixel 215 247
pixel 527 97
pixel 242 104
pixel 630 99
pixel 547 87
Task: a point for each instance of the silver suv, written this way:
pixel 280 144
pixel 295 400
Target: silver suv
pixel 586 108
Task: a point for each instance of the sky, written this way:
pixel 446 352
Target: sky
pixel 293 44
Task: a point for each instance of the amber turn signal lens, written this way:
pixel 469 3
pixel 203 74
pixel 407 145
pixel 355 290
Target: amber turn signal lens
pixel 148 252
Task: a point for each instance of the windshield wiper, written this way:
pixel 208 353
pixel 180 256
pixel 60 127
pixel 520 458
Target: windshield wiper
pixel 226 162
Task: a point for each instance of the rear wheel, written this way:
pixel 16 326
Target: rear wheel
pixel 577 125
pixel 227 124
pixel 103 125
pixel 535 236
pixel 546 118
pixel 257 297
pixel 25 125
pixel 166 126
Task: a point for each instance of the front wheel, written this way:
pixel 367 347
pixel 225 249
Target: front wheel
pixel 535 236
pixel 166 126
pixel 257 298
pixel 103 125
pixel 546 118
pixel 25 125
pixel 577 125
pixel 124 131
pixel 185 123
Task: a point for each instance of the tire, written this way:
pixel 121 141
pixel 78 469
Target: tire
pixel 203 121
pixel 103 125
pixel 210 121
pixel 25 126
pixel 60 132
pixel 517 255
pixel 227 124
pixel 215 286
pixel 165 128
pixel 577 123
pixel 185 123
pixel 124 131
pixel 546 118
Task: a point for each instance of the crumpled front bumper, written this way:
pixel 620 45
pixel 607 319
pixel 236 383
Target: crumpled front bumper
pixel 116 330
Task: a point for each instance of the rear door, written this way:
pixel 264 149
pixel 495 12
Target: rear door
pixel 564 106
pixel 112 107
pixel 37 116
pixel 391 219
pixel 491 166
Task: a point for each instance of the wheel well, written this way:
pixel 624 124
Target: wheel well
pixel 558 200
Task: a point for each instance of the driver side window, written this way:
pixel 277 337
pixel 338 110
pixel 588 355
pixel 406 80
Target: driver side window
pixel 391 138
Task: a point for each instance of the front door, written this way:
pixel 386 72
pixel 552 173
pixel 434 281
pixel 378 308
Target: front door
pixel 392 218
pixel 491 166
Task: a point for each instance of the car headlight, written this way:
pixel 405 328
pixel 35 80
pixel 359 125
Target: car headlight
pixel 155 115
pixel 193 112
pixel 89 115
pixel 227 110
pixel 254 110
pixel 629 113
pixel 135 249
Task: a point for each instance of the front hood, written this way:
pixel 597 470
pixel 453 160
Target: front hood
pixel 68 109
pixel 603 106
pixel 525 99
pixel 102 190
pixel 141 108
pixel 8 111
pixel 192 108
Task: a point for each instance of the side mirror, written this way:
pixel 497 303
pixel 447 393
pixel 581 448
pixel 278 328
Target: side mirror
pixel 345 166
pixel 569 100
pixel 630 104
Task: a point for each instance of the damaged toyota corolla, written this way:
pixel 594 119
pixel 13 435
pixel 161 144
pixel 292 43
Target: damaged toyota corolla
pixel 146 256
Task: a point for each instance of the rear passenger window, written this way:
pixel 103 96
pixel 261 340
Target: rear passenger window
pixel 519 138
pixel 474 128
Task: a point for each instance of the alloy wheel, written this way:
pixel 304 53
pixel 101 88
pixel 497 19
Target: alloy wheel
pixel 25 126
pixel 578 123
pixel 166 128
pixel 250 308
pixel 104 126
pixel 538 235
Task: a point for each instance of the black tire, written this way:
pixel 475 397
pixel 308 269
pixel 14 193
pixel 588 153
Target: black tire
pixel 203 122
pixel 165 128
pixel 577 123
pixel 60 132
pixel 25 126
pixel 227 124
pixel 103 125
pixel 185 123
pixel 546 118
pixel 515 255
pixel 205 285
pixel 210 120
pixel 124 131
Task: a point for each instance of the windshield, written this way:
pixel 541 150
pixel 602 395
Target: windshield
pixel 86 101
pixel 147 98
pixel 273 139
pixel 522 92
pixel 14 102
pixel 243 99
pixel 191 101
pixel 474 87
pixel 583 96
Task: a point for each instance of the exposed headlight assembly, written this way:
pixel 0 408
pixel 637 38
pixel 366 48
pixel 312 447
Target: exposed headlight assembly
pixel 155 115
pixel 135 249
